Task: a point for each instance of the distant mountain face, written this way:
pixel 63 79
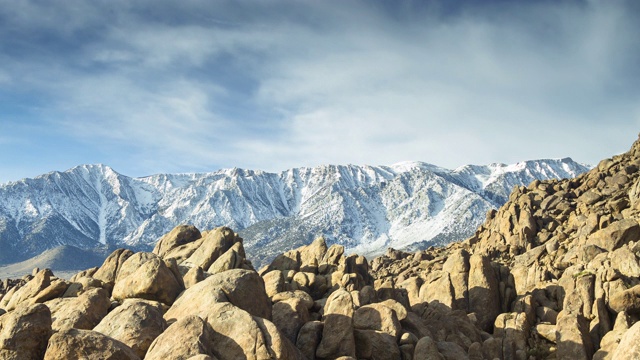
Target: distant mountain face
pixel 364 208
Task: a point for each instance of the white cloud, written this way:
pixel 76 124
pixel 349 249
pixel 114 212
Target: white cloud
pixel 242 84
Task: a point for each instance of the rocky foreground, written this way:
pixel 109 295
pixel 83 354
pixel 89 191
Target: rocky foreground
pixel 553 274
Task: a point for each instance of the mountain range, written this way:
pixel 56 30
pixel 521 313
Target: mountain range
pixel 366 209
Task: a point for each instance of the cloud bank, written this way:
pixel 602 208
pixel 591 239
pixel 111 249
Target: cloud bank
pixel 168 86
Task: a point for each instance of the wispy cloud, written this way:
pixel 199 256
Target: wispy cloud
pixel 198 85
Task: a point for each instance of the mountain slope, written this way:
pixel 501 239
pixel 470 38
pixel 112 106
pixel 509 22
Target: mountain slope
pixel 364 208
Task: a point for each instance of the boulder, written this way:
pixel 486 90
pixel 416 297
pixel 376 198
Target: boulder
pixel 616 234
pixel 452 351
pixel 289 316
pixel 193 276
pixel 279 346
pixel 427 349
pixel 214 243
pixel 190 336
pixel 309 338
pixel 108 272
pixel 572 337
pixel 376 345
pixel 627 301
pixel 312 254
pixel 273 282
pixel 297 294
pixel 24 332
pixel 135 323
pixel 75 344
pixel 82 312
pixel 243 288
pixel 180 235
pixel 234 258
pixel 146 276
pixel 629 346
pixel 377 317
pixel 484 291
pixel 337 335
pixel 238 335
pixel 29 291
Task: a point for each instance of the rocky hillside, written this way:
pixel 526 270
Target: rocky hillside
pixel 364 208
pixel 552 274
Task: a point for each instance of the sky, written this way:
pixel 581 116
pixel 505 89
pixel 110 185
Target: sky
pixel 163 86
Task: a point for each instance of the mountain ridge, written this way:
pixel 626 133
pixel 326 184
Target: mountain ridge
pixel 93 205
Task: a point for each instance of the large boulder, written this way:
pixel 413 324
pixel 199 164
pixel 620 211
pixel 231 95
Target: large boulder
pixel 427 349
pixel 289 316
pixel 214 243
pixel 337 335
pixel 146 276
pixel 108 272
pixel 377 317
pixel 135 323
pixel 29 291
pixel 484 291
pixel 180 235
pixel 616 234
pixel 629 346
pixel 238 335
pixel 308 338
pixel 75 344
pixel 187 337
pixel 82 312
pixel 243 288
pixel 627 301
pixel 234 258
pixel 24 332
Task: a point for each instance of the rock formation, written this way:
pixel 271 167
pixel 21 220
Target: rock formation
pixel 553 274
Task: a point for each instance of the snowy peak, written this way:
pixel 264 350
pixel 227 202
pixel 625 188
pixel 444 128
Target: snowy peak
pixel 362 207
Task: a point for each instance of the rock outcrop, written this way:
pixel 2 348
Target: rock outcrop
pixel 554 273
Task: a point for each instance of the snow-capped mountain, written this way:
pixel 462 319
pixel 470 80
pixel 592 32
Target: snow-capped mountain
pixel 364 208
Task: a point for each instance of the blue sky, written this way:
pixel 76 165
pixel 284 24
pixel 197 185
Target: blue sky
pixel 192 86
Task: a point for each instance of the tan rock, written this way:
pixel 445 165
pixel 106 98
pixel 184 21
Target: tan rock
pixel 188 337
pixel 82 312
pixel 297 294
pixel 311 255
pixel 629 347
pixel 377 345
pixel 180 235
pixel 377 317
pixel 214 244
pixel 616 234
pixel 75 344
pixel 135 323
pixel 427 349
pixel 145 276
pixel 108 272
pixel 234 258
pixel 193 276
pixel 309 338
pixel 289 316
pixel 238 335
pixel 24 332
pixel 484 291
pixel 572 337
pixel 273 282
pixel 55 289
pixel 29 291
pixel 279 346
pixel 337 335
pixel 439 290
pixel 627 301
pixel 243 288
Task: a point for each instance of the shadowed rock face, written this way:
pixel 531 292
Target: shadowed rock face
pixel 554 273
